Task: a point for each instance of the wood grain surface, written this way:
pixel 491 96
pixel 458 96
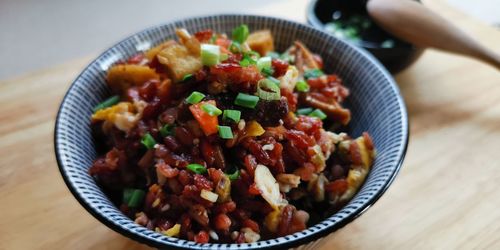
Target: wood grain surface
pixel 447 195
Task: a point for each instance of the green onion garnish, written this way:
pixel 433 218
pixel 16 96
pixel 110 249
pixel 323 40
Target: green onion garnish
pixel 267 71
pixel 195 97
pixel 302 86
pixel 235 47
pixel 318 113
pixel 197 168
pixel 127 194
pixel 223 57
pixel 274 80
pixel 148 141
pixel 268 90
pixel 234 176
pixel 313 73
pixel 186 77
pixel 210 54
pixel 211 109
pixel 264 62
pixel 231 114
pixel 107 103
pixel 136 198
pixel 304 111
pixel 245 100
pixel 273 55
pixel 245 62
pixel 167 129
pixel 225 132
pixel 240 33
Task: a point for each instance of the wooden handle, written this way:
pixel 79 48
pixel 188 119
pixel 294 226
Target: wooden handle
pixel 416 24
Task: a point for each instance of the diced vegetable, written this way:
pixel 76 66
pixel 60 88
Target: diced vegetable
pixel 274 80
pixel 234 176
pixel 207 122
pixel 247 101
pixel 225 132
pixel 173 231
pixel 235 47
pixel 186 77
pixel 268 90
pixel 302 86
pixel 210 109
pixel 264 62
pixel 136 198
pixel 197 168
pixel 167 129
pixel 127 194
pixel 253 128
pixel 232 115
pixel 304 111
pixel 195 97
pixel 210 54
pixel 107 103
pixel 209 195
pixel 148 141
pixel 313 73
pixel 267 71
pixel 318 113
pixel 240 33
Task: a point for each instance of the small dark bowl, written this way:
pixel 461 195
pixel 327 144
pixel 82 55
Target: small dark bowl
pixel 394 59
pixel 375 102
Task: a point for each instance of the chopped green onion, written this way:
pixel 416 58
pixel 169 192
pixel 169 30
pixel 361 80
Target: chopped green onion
pixel 302 86
pixel 210 54
pixel 252 54
pixel 213 39
pixel 273 55
pixel 127 194
pixel 268 90
pixel 313 73
pixel 107 103
pixel 225 132
pixel 224 57
pixel 318 113
pixel 287 57
pixel 235 47
pixel 264 62
pixel 186 77
pixel 304 111
pixel 148 141
pixel 231 114
pixel 234 176
pixel 211 109
pixel 245 100
pixel 195 97
pixel 167 129
pixel 268 71
pixel 136 198
pixel 274 80
pixel 240 33
pixel 245 62
pixel 197 168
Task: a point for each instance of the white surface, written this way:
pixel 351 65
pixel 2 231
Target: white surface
pixel 36 34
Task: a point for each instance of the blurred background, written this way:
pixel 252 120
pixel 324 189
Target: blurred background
pixel 39 34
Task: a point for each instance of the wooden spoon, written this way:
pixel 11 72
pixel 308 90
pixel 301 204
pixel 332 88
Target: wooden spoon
pixel 416 24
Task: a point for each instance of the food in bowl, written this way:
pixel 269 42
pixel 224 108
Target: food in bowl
pixel 221 139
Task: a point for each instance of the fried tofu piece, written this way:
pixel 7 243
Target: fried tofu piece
pixel 261 41
pixel 179 61
pixel 123 76
pixel 151 53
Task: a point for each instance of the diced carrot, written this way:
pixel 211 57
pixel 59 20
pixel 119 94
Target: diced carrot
pixel 207 122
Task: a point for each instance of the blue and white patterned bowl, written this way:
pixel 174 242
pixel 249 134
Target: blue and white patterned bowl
pixel 375 102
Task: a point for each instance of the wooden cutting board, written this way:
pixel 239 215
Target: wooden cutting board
pixel 447 195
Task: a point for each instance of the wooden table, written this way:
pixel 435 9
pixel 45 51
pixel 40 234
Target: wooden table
pixel 446 196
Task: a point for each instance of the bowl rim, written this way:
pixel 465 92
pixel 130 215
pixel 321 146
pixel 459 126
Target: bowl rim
pixel 287 244
pixel 313 20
